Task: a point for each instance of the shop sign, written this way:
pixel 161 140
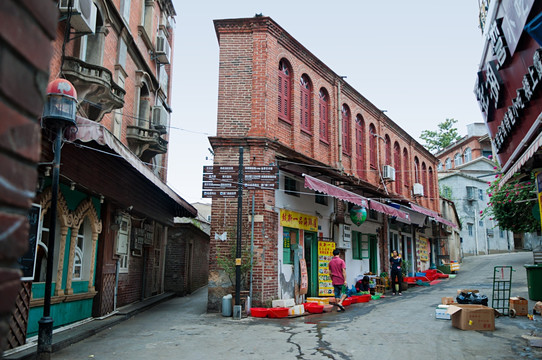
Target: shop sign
pixel 422 244
pixel 325 254
pixel 297 220
pixel 304 285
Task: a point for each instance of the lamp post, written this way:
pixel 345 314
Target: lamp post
pixel 58 114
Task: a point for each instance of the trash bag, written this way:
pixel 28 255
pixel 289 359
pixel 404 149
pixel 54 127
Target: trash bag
pixel 472 298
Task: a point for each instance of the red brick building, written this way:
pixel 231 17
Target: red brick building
pixel 287 108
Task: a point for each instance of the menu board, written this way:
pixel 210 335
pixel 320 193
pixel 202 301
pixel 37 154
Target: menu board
pixel 325 254
pixel 423 248
pixel 27 262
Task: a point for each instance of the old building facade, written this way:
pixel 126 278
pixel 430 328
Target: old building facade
pixel 337 154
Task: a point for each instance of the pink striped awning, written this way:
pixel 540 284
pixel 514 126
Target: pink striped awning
pixel 432 214
pixel 340 193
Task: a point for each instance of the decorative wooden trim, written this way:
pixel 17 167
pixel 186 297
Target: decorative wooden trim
pixel 64 299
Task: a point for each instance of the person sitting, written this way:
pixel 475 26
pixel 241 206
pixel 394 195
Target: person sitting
pixel 363 284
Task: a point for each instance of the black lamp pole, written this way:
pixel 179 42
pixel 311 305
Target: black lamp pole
pixel 45 332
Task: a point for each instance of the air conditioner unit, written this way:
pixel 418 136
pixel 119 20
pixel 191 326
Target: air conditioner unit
pixel 489 232
pixel 83 14
pixel 471 193
pixel 163 49
pixel 417 189
pixel 160 119
pixel 388 173
pixel 344 237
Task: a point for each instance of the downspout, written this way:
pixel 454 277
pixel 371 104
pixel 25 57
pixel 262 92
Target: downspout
pixel 117 270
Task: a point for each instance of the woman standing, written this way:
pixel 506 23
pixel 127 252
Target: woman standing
pixel 395 263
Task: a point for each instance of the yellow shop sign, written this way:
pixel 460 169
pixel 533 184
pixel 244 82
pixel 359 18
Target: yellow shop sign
pixel 297 220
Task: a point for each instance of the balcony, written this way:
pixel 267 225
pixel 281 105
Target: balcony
pixel 145 143
pixel 97 93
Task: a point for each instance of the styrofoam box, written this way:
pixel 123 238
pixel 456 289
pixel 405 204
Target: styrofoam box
pixel 440 312
pixel 283 303
pixel 296 310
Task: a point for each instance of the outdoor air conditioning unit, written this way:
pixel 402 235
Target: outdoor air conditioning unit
pixel 489 232
pixel 160 119
pixel 83 14
pixel 471 193
pixel 417 189
pixel 388 173
pixel 163 49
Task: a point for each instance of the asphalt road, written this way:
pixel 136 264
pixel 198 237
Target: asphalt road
pixel 390 328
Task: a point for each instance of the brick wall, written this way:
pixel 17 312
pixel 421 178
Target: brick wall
pixel 250 52
pixel 26 31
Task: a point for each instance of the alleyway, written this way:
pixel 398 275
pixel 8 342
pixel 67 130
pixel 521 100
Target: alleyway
pixel 394 327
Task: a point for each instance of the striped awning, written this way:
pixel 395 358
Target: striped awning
pixel 529 153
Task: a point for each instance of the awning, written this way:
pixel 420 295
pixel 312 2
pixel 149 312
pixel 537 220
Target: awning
pixel 529 153
pixel 432 214
pixel 340 193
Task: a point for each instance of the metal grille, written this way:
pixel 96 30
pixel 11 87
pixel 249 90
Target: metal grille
pixel 107 294
pixel 19 317
pixel 502 284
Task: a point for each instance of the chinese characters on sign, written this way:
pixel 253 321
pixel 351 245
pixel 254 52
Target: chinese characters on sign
pixel 297 220
pixel 325 254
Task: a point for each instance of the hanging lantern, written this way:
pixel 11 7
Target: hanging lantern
pixel 60 105
pixel 358 215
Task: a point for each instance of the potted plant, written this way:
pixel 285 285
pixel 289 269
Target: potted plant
pixel 404 273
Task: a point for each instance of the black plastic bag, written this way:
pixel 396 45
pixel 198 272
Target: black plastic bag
pixel 472 298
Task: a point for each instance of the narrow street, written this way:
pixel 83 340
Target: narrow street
pixel 392 327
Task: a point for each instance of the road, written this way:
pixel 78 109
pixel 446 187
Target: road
pixel 389 328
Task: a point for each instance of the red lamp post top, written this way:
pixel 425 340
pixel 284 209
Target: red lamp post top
pixel 61 87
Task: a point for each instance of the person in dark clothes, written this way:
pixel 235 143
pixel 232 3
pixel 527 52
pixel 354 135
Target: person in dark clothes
pixel 363 284
pixel 396 277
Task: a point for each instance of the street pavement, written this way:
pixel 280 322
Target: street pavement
pixel 394 327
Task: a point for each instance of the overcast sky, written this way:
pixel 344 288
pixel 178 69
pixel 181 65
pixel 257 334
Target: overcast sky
pixel 416 59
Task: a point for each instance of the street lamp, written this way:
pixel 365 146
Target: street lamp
pixel 58 114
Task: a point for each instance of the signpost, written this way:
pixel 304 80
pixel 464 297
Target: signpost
pixel 223 181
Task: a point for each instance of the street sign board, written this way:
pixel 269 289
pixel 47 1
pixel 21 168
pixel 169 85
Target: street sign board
pixel 221 169
pixel 218 194
pixel 226 177
pixel 221 177
pixel 219 185
pixel 260 169
pixel 261 186
pixel 261 178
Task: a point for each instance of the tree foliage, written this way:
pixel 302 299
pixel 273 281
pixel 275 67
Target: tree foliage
pixel 510 204
pixel 446 134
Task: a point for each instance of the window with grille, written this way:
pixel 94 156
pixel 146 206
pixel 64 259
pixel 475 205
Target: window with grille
pixel 290 186
pixel 467 155
pixel 305 104
pixel 458 159
pixel 284 92
pixel 320 199
pixel 324 115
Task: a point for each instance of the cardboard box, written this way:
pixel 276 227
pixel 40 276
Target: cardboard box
pixel 441 312
pixel 520 305
pixel 466 291
pixel 447 300
pixel 472 317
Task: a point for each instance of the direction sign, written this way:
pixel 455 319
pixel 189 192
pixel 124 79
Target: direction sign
pixel 260 177
pixel 219 185
pixel 218 194
pixel 261 186
pixel 221 177
pixel 221 169
pixel 260 169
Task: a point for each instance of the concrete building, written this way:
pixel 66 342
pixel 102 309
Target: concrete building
pixel 465 169
pixel 339 158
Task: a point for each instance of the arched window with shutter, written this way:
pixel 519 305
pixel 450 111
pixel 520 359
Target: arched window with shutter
pixel 346 129
pixel 424 180
pixel 324 115
pixel 397 166
pixel 406 171
pixel 431 184
pixel 305 103
pixel 372 146
pixel 360 146
pixel 284 91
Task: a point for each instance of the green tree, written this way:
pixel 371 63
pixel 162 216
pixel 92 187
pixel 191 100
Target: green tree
pixel 446 134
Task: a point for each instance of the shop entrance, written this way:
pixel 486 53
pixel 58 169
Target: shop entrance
pixel 311 259
pixel 373 252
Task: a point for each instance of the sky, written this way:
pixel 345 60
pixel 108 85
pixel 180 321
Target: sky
pixel 415 59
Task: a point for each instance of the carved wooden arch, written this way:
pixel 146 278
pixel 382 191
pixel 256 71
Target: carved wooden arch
pixel 63 213
pixel 86 208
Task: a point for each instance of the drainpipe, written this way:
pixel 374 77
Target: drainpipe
pixel 117 270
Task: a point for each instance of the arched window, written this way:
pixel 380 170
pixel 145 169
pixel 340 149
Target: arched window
pixel 145 101
pixel 397 165
pixel 432 184
pixel 457 160
pixel 406 171
pixel 360 146
pixel 467 155
pixel 372 146
pixel 324 115
pixel 284 91
pixel 388 149
pixel 424 180
pixel 448 163
pixel 346 129
pixel 439 166
pixel 305 103
pixel 416 170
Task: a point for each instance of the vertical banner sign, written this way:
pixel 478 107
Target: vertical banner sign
pixel 423 251
pixel 325 254
pixel 27 262
pixel 539 193
pixel 304 284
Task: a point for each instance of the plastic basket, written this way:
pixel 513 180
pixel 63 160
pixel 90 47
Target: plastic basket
pixel 277 312
pixel 259 312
